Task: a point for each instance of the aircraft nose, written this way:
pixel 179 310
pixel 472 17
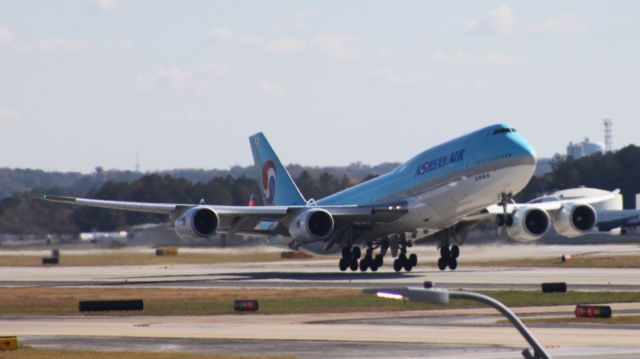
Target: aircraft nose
pixel 523 150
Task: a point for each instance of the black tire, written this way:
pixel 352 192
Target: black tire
pixel 509 221
pixel 379 260
pixel 353 265
pixel 363 265
pixel 343 264
pixel 356 252
pixel 442 263
pixel 413 259
pixel 445 252
pixel 455 252
pixel 397 265
pixel 346 252
pixel 374 267
pixel 407 266
pixel 500 220
pixel 453 264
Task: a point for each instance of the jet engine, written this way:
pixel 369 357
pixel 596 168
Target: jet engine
pixel 312 225
pixel 529 224
pixel 575 220
pixel 197 222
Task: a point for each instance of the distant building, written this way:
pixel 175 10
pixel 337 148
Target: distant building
pixel 584 148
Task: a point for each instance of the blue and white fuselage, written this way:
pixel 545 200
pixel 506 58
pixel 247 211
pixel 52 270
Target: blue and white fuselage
pixel 442 185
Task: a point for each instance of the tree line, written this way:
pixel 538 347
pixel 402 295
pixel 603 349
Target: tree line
pixel 21 214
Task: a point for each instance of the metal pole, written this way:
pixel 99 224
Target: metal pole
pixel 538 350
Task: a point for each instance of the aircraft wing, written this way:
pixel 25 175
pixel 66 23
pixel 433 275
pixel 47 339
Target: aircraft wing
pixel 551 204
pixel 245 219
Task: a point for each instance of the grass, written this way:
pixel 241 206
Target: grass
pixel 116 258
pixel 172 301
pixel 32 353
pixel 619 261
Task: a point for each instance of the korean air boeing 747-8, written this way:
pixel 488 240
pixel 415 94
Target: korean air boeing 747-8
pixel 440 193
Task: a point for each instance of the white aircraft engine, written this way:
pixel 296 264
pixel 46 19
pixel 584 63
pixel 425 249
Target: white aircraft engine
pixel 312 225
pixel 197 222
pixel 529 224
pixel 575 220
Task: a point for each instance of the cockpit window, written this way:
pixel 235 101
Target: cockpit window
pixel 503 130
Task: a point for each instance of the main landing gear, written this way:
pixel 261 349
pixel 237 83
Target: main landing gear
pixel 403 261
pixel 351 259
pixel 448 257
pixel 351 256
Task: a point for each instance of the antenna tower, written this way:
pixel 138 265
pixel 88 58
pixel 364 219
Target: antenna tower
pixel 608 134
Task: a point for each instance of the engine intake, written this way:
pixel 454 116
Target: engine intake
pixel 197 222
pixel 529 224
pixel 575 220
pixel 312 225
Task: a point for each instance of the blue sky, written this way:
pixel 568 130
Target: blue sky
pixel 184 83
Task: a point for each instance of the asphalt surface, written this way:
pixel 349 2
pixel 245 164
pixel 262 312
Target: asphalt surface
pixel 458 333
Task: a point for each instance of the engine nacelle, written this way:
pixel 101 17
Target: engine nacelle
pixel 312 225
pixel 575 220
pixel 197 222
pixel 529 224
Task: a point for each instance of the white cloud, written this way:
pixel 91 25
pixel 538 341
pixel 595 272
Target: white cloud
pixel 180 79
pixel 59 44
pixel 268 88
pixel 337 46
pixel 286 46
pixel 564 24
pixel 215 69
pixel 9 115
pixel 390 76
pixel 7 36
pixel 341 47
pixel 385 52
pixel 222 34
pixel 498 20
pixel 107 6
pixel 465 58
pixel 183 116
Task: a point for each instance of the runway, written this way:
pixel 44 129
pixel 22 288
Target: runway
pixel 451 333
pixel 318 274
pixel 322 272
pixel 323 336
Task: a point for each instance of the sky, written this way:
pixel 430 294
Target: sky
pixel 183 84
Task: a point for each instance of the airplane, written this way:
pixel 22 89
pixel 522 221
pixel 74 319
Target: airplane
pixel 607 206
pixel 440 193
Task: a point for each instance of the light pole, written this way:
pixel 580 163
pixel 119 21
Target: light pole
pixel 442 296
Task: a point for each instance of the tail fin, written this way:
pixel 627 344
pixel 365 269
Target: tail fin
pixel 275 183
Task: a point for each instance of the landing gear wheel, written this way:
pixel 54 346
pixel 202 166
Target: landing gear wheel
pixel 453 264
pixel 501 220
pixel 455 252
pixel 444 251
pixel 356 252
pixel 343 264
pixel 397 265
pixel 346 252
pixel 509 220
pixel 407 266
pixel 374 267
pixel 379 260
pixel 442 263
pixel 353 264
pixel 363 265
pixel 413 259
